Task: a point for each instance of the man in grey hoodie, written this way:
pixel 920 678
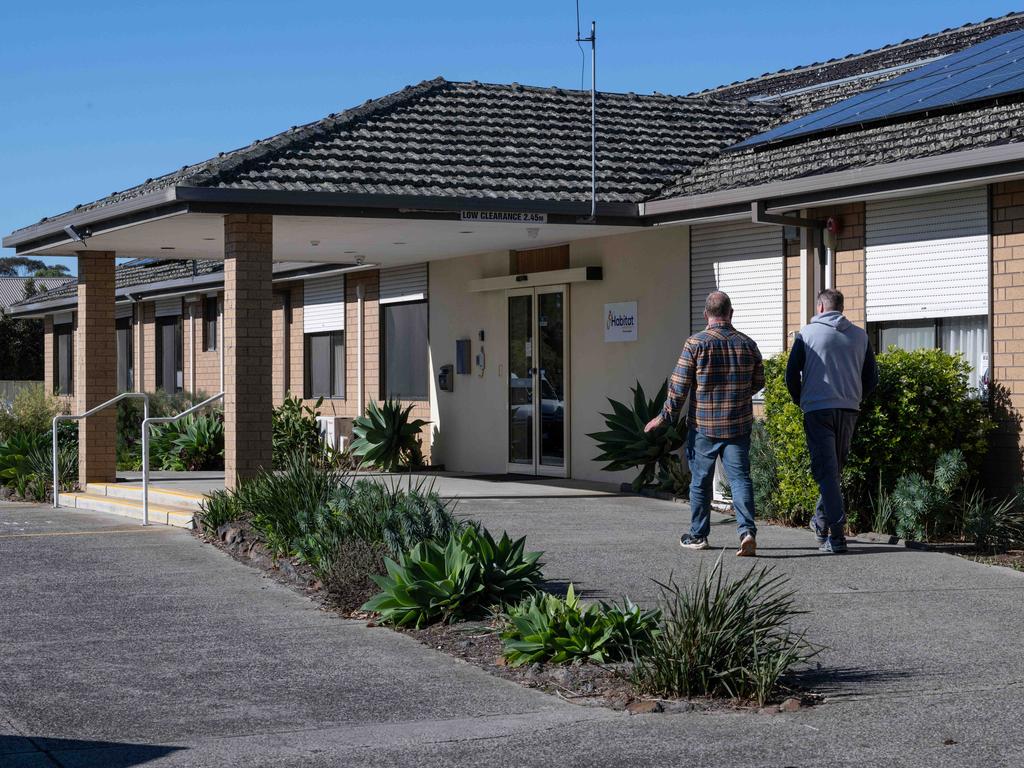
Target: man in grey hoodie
pixel 831 370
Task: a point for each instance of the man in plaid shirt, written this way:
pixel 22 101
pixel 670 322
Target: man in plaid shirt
pixel 719 370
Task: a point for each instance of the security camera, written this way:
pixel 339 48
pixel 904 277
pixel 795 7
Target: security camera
pixel 360 260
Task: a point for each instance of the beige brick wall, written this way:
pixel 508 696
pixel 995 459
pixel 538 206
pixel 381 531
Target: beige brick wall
pixel 1007 364
pixel 96 366
pixel 207 363
pixel 248 315
pixel 849 257
pixel 48 377
pixel 792 296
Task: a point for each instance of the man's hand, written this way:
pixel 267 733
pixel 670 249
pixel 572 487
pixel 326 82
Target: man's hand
pixel 653 424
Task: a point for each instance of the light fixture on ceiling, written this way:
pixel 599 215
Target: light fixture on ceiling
pixel 532 232
pixel 166 247
pixel 465 231
pixel 314 243
pixel 349 251
pixel 209 239
pixel 399 242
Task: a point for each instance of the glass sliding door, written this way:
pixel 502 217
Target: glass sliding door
pixel 537 381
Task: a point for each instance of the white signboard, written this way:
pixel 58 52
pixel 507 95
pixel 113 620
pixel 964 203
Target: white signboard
pixel 620 321
pixel 505 217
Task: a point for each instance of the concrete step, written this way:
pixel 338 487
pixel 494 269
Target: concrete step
pixel 181 500
pixel 112 505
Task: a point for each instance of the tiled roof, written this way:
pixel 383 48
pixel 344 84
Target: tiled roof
pixel 487 141
pixel 925 137
pixel 807 89
pixel 897 54
pixel 140 272
pixel 12 289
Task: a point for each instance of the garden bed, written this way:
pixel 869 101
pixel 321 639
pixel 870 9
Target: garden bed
pixel 479 644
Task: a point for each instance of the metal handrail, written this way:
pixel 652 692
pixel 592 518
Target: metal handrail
pixel 146 422
pixel 76 417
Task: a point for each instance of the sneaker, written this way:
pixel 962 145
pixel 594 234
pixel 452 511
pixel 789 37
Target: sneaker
pixel 689 541
pixel 818 533
pixel 833 546
pixel 748 547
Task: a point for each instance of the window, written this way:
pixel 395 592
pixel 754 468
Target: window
pixel 125 363
pixel 210 324
pixel 966 335
pixel 169 375
pixel 405 351
pixel 325 364
pixel 63 359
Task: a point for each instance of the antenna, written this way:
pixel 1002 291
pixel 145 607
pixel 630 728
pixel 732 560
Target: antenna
pixel 593 107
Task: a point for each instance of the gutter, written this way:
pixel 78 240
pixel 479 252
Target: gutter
pixel 988 165
pixel 172 201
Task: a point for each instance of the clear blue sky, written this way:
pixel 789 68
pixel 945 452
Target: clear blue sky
pixel 99 96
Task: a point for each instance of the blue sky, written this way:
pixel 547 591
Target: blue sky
pixel 100 96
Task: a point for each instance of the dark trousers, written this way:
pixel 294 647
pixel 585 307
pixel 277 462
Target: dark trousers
pixel 829 434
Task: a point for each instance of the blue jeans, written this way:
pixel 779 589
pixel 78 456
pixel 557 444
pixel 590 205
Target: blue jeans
pixel 701 454
pixel 829 434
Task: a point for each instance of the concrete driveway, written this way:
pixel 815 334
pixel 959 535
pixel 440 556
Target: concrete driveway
pixel 124 646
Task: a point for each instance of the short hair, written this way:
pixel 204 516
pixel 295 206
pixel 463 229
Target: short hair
pixel 831 300
pixel 718 304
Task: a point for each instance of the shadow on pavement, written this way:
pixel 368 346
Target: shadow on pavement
pixel 831 679
pixel 82 753
pixel 812 551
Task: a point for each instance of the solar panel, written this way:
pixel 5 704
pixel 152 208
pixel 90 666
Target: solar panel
pixel 983 71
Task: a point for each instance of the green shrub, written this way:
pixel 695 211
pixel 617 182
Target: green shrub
pixel 993 525
pixel 923 408
pixel 218 508
pixel 295 429
pixel 723 638
pixel 129 421
pixel 930 509
pixel 764 471
pixel 455 581
pixel 385 438
pixel 15 452
pixel 397 518
pixel 625 445
pixel 547 628
pixel 39 465
pixel 192 444
pixel 349 580
pixel 32 411
pixel 282 505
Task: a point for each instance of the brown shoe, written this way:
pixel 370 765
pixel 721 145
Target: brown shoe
pixel 748 547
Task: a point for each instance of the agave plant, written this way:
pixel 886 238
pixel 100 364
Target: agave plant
pixel 385 438
pixel 625 444
pixel 546 628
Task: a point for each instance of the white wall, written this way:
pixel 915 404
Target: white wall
pixel 650 267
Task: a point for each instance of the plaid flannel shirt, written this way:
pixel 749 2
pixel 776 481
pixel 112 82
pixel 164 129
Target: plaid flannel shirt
pixel 720 370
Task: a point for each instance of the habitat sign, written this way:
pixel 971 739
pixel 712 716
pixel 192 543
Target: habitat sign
pixel 620 321
pixel 505 217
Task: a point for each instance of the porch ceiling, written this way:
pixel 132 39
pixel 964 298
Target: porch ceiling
pixel 390 241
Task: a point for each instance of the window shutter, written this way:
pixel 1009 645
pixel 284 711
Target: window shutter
pixel 62 318
pixel 404 284
pixel 324 304
pixel 745 261
pixel 122 311
pixel 927 256
pixel 168 307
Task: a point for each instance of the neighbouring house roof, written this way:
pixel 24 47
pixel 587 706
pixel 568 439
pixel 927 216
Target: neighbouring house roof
pixel 12 289
pixel 149 278
pixel 479 140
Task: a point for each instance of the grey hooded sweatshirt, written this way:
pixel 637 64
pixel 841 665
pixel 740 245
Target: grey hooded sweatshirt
pixel 831 365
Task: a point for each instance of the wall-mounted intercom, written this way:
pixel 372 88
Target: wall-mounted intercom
pixel 446 378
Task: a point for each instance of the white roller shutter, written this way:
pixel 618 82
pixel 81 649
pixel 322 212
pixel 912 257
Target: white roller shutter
pixel 324 304
pixel 745 261
pixel 168 307
pixel 927 257
pixel 63 318
pixel 403 284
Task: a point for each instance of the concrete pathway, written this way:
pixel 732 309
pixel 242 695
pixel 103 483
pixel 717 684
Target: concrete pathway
pixel 126 646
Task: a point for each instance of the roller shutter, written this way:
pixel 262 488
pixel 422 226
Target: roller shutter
pixel 927 257
pixel 324 304
pixel 745 261
pixel 168 307
pixel 403 284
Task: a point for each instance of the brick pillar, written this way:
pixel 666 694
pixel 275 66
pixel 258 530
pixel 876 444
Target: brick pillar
pixel 248 382
pixel 96 367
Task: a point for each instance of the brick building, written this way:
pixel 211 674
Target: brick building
pixel 471 204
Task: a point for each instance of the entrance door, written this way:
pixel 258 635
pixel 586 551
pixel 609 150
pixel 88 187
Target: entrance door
pixel 538 381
